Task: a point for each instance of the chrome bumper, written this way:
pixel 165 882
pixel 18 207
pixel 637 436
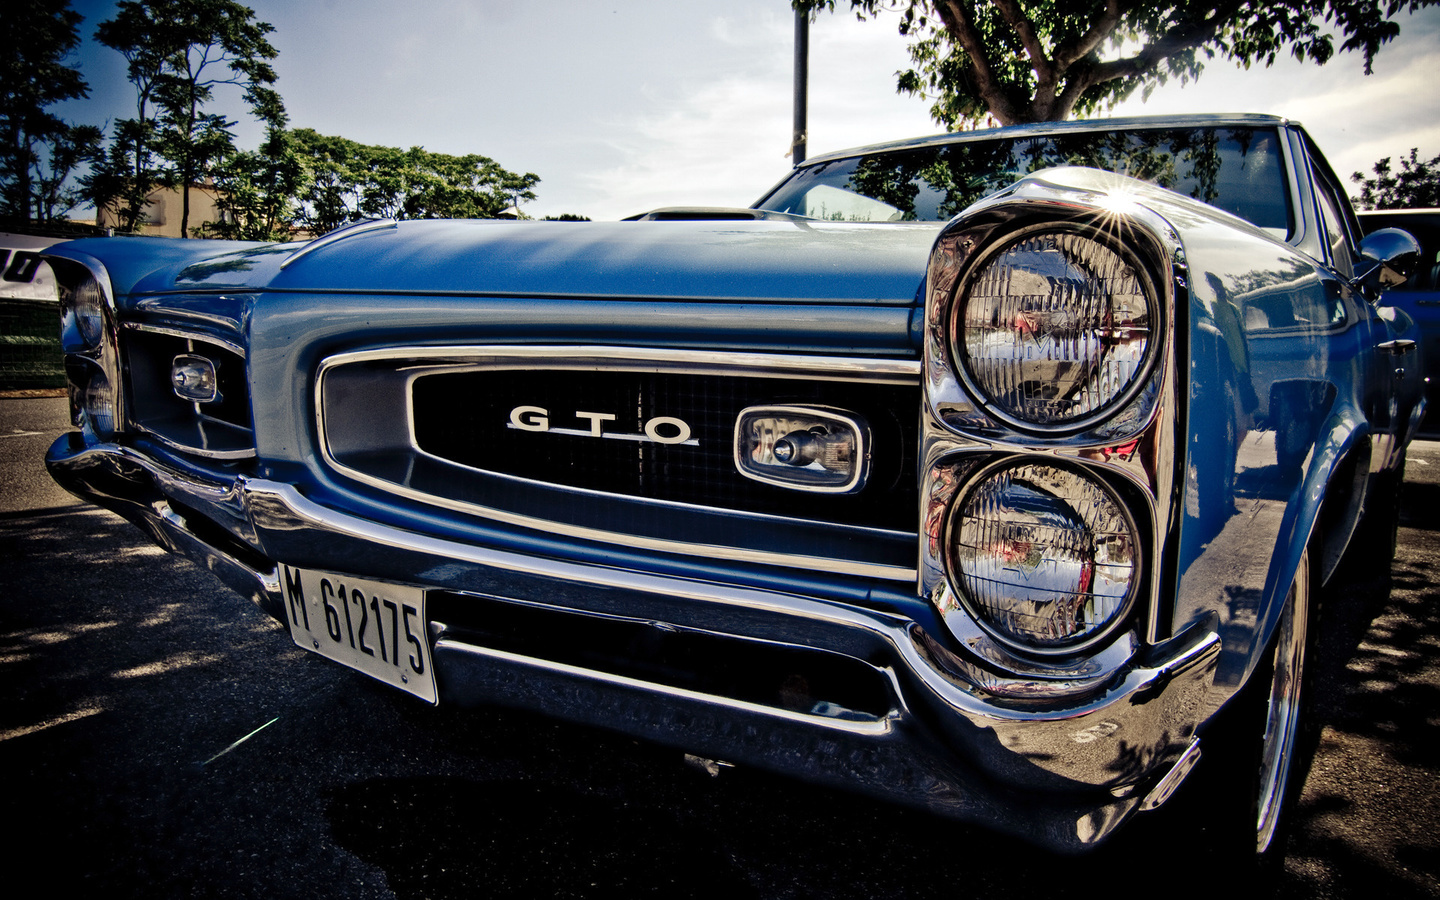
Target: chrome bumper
pixel 1063 773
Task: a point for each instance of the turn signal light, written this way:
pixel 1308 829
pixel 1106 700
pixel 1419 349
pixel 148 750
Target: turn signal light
pixel 803 448
pixel 193 378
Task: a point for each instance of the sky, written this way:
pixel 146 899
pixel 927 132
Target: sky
pixel 628 105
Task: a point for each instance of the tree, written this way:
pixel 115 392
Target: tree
pixel 54 193
pixel 256 191
pixel 1019 61
pixel 1415 186
pixel 177 53
pixel 38 150
pixel 462 187
pixel 347 181
pixel 336 171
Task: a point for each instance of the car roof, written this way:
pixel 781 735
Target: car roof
pixel 1043 128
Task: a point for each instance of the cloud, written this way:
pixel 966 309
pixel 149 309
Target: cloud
pixel 723 138
pixel 621 108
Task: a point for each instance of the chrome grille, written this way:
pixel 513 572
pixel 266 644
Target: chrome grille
pixel 433 427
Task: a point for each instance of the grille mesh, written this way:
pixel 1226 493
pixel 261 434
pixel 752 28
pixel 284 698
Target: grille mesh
pixel 465 417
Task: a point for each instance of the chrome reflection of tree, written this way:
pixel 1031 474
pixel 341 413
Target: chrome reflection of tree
pixel 952 175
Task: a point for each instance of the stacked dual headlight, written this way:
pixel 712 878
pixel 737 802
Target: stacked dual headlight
pixel 1052 331
pixel 1049 332
pixel 87 337
pixel 1044 557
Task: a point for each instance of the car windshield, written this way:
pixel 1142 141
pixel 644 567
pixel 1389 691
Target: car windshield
pixel 1239 170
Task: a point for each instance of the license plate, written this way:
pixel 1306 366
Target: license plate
pixel 372 626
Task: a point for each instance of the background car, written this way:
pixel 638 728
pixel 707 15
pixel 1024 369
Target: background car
pixel 1419 296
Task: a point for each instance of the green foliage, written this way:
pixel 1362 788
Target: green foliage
pixel 39 150
pixel 256 191
pixel 346 181
pixel 1017 61
pixel 54 193
pixel 1415 186
pixel 177 53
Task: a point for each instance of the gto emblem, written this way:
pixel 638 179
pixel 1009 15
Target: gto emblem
pixel 661 429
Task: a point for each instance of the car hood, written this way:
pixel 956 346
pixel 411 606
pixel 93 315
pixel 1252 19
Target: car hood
pixel 731 261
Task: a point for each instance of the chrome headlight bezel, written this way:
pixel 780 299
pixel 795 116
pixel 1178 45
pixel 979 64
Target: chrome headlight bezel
pixel 90 341
pixel 1128 443
pixel 85 317
pixel 1124 224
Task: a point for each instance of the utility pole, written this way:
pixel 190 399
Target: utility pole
pixel 802 76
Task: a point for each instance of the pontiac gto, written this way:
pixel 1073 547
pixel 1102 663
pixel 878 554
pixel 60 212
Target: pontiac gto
pixel 996 473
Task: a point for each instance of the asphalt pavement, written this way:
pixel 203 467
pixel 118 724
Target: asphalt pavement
pixel 161 738
pixel 28 425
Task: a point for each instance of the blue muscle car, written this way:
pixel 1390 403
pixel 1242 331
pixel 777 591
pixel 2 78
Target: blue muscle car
pixel 995 473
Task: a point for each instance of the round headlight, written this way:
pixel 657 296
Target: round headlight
pixel 1043 557
pixel 87 304
pixel 1053 328
pixel 98 403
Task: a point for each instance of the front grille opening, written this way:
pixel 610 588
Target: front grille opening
pixel 220 428
pixel 796 679
pixel 465 417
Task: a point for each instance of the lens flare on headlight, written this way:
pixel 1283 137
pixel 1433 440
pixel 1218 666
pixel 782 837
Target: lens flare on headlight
pixel 1054 328
pixel 1043 557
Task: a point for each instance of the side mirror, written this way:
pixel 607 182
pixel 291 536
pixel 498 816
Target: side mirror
pixel 1387 258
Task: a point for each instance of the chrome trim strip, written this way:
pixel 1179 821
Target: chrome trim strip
pixel 1299 183
pixel 247 453
pixel 277 505
pixel 1168 784
pixel 880 726
pixel 234 348
pixel 339 234
pixel 711 551
pixel 491 358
